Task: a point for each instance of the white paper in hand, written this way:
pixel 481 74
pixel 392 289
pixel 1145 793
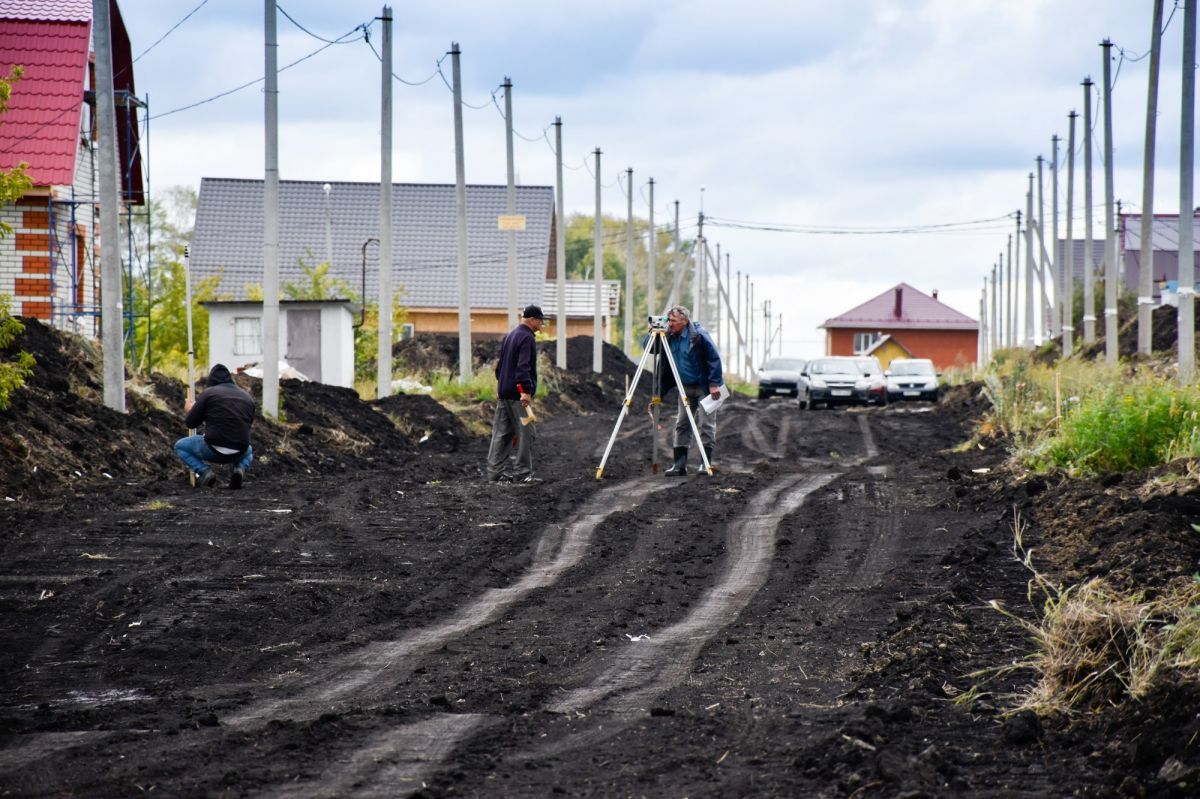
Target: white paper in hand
pixel 709 404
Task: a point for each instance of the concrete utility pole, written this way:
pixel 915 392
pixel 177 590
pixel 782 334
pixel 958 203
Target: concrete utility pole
pixel 1187 142
pixel 1012 329
pixel 698 276
pixel 383 356
pixel 460 207
pixel 1056 320
pixel 1008 277
pixel 111 312
pixel 983 323
pixel 651 254
pixel 730 317
pixel 719 322
pixel 1043 259
pixel 1028 341
pixel 741 344
pixel 678 264
pixel 992 316
pixel 1146 271
pixel 1068 261
pixel 750 319
pixel 1110 234
pixel 629 264
pixel 511 205
pixel 560 256
pixel 1089 268
pixel 597 279
pixel 270 318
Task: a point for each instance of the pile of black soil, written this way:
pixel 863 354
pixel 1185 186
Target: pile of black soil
pixel 58 433
pixel 1164 335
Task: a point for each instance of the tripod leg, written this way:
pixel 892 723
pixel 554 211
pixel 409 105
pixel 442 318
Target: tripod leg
pixel 624 412
pixel 655 407
pixel 688 409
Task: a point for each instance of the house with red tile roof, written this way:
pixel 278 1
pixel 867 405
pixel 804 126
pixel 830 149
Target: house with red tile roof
pixel 912 321
pixel 50 265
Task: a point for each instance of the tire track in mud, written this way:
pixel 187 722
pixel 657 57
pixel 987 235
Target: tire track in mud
pixel 627 680
pixel 366 674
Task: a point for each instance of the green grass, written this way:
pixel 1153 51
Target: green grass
pixel 1142 423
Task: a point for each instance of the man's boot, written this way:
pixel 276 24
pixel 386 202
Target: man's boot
pixel 680 467
pixel 708 451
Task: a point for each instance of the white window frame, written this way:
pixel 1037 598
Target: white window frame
pixel 864 342
pixel 247 335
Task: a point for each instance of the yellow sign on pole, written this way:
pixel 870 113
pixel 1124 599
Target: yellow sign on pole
pixel 510 222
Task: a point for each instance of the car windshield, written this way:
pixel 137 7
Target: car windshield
pixel 912 368
pixel 869 366
pixel 785 364
pixel 831 366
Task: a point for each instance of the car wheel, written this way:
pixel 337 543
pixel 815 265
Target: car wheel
pixel 762 394
pixel 805 404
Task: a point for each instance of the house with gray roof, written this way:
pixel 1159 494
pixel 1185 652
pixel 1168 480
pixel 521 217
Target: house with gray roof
pixel 338 222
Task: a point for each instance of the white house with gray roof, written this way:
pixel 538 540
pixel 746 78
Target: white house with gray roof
pixel 341 225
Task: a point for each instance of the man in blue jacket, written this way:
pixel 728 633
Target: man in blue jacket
pixel 226 410
pixel 699 366
pixel 516 383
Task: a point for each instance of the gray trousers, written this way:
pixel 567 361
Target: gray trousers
pixel 506 426
pixel 707 423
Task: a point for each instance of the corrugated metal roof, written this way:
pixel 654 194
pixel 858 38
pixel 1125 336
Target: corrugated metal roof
pixel 42 123
pixel 580 298
pixel 227 239
pixel 58 10
pixel 917 311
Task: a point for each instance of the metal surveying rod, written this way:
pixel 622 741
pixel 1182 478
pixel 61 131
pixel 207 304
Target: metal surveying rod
pixel 658 334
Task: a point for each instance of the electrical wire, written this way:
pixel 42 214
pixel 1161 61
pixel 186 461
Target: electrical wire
pixel 248 84
pixel 968 226
pixel 379 58
pixel 292 20
pixel 172 29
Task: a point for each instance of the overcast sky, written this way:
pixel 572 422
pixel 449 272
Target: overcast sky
pixel 862 113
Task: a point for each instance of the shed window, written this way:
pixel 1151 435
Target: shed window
pixel 864 341
pixel 247 335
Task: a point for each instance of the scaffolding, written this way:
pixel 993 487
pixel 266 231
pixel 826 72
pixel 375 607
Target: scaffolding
pixel 78 309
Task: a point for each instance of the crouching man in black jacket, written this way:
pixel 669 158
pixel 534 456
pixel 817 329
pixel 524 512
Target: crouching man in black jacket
pixel 227 411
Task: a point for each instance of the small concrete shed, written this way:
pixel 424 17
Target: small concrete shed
pixel 316 337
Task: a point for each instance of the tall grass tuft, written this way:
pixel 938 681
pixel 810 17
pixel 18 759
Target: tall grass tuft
pixel 1139 424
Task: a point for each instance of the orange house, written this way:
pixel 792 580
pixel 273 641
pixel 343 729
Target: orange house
pixel 917 322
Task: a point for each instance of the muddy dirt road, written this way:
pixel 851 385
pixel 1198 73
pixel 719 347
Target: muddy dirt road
pixel 798 624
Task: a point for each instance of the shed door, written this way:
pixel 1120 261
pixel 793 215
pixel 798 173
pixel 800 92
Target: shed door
pixel 304 343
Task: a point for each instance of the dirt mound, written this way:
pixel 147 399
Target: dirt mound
pixel 57 432
pixel 1164 335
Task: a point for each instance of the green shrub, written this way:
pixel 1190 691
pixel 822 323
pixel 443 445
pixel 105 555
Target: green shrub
pixel 14 372
pixel 1132 426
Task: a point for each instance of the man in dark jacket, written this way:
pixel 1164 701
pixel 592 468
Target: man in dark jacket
pixel 699 366
pixel 516 383
pixel 227 411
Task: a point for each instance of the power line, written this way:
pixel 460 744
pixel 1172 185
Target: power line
pixel 292 20
pixel 248 84
pixel 172 29
pixel 968 226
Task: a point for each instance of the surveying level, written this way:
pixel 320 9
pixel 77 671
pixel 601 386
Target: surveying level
pixel 658 335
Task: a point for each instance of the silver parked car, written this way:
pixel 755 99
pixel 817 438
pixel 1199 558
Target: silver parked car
pixel 840 380
pixel 780 376
pixel 912 378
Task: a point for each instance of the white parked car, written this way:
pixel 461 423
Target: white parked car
pixel 912 378
pixel 780 376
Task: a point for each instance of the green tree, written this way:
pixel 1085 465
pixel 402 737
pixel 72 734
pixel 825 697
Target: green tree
pixel 580 246
pixel 160 293
pixel 318 284
pixel 13 182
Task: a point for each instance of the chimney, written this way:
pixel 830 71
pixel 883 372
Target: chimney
pixel 899 301
pixel 935 294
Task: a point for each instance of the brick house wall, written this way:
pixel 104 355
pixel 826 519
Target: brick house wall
pixel 946 348
pixel 49 266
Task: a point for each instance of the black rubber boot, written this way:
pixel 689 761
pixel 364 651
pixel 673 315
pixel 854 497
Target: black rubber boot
pixel 680 467
pixel 708 451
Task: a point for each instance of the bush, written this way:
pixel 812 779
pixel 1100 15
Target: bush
pixel 12 373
